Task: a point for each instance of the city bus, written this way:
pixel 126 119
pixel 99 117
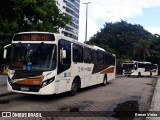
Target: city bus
pixel 45 63
pixel 137 68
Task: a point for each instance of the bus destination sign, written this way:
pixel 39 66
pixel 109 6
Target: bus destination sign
pixel 34 37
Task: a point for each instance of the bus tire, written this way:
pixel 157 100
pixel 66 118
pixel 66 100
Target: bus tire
pixel 150 74
pixel 139 74
pixel 74 88
pixel 104 80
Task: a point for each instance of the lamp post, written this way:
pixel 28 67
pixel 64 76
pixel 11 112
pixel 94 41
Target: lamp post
pixel 86 19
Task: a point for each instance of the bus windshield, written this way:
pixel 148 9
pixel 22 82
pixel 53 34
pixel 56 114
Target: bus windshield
pixel 38 56
pixel 128 66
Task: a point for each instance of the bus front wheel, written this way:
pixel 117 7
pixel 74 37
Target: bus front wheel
pixel 74 88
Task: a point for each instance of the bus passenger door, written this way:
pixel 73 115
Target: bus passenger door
pixel 61 86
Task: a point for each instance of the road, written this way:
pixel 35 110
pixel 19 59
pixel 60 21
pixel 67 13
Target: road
pixel 122 93
pixel 3 79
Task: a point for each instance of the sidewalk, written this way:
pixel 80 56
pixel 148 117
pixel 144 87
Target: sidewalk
pixel 3 91
pixel 155 104
pixel 3 86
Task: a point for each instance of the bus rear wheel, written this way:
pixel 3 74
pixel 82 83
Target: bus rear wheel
pixel 150 74
pixel 104 80
pixel 139 74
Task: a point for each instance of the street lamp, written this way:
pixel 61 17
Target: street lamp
pixel 86 19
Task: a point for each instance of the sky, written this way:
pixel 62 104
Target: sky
pixel 143 12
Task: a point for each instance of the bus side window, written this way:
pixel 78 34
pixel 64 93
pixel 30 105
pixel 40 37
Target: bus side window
pixel 66 45
pixel 77 53
pixel 94 56
pixel 87 55
pixel 155 66
pixel 100 57
pixel 113 60
pixel 106 59
pixel 110 59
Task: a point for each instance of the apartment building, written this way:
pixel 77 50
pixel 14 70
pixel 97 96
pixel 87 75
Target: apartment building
pixel 70 8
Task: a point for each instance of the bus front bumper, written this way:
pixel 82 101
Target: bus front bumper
pixel 35 90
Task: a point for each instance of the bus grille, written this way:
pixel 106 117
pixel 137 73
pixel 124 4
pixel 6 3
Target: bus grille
pixel 31 88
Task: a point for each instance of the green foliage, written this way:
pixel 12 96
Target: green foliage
pixel 121 38
pixel 127 41
pixel 29 15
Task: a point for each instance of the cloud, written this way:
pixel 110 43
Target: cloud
pixel 153 30
pixel 110 11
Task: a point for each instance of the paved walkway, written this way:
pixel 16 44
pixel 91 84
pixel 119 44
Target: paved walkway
pixel 155 105
pixel 3 86
pixel 3 90
pixel 3 79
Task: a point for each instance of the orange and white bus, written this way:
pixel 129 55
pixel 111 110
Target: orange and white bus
pixel 137 68
pixel 45 63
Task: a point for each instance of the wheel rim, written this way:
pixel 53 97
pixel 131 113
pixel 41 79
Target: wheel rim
pixel 150 74
pixel 139 74
pixel 105 80
pixel 74 88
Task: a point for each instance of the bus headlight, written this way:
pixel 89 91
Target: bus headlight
pixel 46 82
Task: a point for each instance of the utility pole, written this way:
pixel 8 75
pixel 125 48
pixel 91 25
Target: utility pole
pixel 86 19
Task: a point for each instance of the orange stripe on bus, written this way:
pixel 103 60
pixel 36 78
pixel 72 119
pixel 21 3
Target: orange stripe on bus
pixel 153 70
pixel 108 70
pixel 150 70
pixel 31 81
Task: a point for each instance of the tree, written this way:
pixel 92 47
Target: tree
pixel 127 41
pixel 29 15
pixel 123 39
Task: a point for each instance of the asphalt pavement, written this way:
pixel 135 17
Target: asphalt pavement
pixel 155 104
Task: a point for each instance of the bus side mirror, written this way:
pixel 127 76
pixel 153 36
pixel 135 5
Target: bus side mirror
pixel 135 67
pixel 62 55
pixel 5 50
pixel 5 53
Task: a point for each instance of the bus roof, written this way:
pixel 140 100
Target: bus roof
pixel 132 61
pixel 60 36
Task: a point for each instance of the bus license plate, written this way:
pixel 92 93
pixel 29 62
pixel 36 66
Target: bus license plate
pixel 24 88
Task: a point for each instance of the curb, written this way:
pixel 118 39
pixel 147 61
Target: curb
pixel 156 90
pixel 154 101
pixel 5 93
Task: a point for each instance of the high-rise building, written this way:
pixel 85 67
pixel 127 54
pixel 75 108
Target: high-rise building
pixel 70 8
